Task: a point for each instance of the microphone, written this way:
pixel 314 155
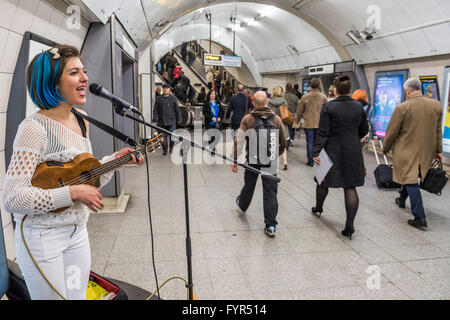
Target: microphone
pixel 99 91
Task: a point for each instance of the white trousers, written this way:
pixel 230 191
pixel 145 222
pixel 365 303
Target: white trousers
pixel 64 256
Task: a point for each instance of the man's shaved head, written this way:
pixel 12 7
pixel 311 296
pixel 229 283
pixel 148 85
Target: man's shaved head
pixel 241 87
pixel 260 99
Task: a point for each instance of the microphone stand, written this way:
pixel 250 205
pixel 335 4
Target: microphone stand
pixel 184 153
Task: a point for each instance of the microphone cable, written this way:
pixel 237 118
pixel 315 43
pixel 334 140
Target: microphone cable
pixel 150 213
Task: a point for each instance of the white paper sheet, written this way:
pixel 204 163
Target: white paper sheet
pixel 325 166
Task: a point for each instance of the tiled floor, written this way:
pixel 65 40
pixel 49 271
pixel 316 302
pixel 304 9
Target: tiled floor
pixel 232 258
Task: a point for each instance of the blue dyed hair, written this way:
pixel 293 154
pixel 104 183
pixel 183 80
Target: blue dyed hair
pixel 44 74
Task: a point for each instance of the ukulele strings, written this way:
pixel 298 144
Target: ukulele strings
pixel 102 169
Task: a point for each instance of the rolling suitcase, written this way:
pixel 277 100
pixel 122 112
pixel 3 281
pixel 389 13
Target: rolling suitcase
pixel 383 173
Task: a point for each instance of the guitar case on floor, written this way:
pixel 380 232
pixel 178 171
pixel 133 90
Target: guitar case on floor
pixel 17 288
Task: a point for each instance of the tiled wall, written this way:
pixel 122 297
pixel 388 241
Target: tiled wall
pixel 271 81
pixel 46 19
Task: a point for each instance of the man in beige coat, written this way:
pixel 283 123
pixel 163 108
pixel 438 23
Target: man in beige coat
pixel 310 107
pixel 414 134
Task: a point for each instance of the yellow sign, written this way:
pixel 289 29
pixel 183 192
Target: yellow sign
pixel 213 58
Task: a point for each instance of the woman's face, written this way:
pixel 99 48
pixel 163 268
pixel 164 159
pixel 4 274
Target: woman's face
pixel 73 82
pixel 213 96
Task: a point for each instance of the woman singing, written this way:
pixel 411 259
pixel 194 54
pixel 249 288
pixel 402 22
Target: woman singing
pixel 58 242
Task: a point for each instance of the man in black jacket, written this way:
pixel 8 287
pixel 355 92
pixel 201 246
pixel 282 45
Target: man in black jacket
pixel 240 105
pixel 166 114
pixel 183 92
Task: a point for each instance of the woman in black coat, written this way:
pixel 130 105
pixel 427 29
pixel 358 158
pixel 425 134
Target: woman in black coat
pixel 343 123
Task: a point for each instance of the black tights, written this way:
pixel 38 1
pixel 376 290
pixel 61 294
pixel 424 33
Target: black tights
pixel 351 203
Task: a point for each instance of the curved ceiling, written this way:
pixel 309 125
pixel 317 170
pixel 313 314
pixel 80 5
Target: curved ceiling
pixel 273 42
pixel 316 28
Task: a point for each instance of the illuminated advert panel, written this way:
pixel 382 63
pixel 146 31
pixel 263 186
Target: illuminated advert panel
pixel 446 113
pixel 388 95
pixel 222 60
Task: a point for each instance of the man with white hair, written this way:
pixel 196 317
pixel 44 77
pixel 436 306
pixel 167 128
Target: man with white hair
pixel 414 135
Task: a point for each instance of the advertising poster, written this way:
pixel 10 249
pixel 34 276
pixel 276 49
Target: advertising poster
pixel 446 115
pixel 306 86
pixel 389 94
pixel 430 87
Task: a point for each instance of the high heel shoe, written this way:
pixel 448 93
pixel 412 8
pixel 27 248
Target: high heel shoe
pixel 348 233
pixel 317 211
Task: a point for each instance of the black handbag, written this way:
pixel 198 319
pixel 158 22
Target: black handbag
pixel 436 179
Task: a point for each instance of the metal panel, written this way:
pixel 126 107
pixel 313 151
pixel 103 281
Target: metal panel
pixel 96 54
pixel 3 263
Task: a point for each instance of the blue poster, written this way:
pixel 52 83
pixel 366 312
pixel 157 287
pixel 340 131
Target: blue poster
pixel 3 264
pixel 388 95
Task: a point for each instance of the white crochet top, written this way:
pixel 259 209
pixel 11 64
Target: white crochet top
pixel 40 139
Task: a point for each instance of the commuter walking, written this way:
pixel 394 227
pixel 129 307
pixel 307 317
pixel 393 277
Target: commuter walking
pixel 213 115
pixel 310 107
pixel 292 103
pixel 240 105
pixel 171 63
pixel 166 113
pixel 297 91
pixel 343 123
pixel 184 51
pixel 360 95
pixel 414 135
pixel 218 84
pixel 331 94
pixel 209 76
pixel 270 187
pixel 201 97
pixel 277 100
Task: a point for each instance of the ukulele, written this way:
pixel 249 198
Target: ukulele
pixel 84 169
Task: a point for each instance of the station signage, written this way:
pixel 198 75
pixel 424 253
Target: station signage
pixel 222 60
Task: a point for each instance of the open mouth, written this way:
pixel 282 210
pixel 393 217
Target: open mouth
pixel 81 91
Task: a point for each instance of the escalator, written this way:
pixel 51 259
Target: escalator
pixel 195 70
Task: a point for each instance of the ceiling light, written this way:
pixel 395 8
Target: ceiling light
pixel 166 27
pixel 292 50
pixel 258 17
pixel 354 36
pixel 367 34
